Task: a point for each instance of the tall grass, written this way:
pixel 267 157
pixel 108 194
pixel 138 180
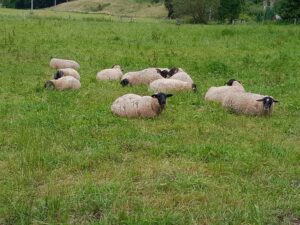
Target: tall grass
pixel 65 159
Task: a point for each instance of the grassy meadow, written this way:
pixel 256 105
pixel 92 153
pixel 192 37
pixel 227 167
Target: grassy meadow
pixel 65 159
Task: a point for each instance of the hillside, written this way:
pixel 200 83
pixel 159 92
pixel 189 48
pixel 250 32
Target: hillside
pixel 115 7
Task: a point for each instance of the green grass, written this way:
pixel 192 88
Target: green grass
pixel 65 159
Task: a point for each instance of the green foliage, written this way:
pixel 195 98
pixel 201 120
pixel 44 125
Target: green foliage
pixel 269 13
pixel 288 9
pixel 66 159
pixel 201 11
pixel 170 7
pixel 99 7
pixel 229 9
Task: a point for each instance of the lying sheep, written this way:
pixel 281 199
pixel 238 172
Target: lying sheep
pixel 218 93
pixel 135 106
pixel 248 103
pixel 63 83
pixel 115 73
pixel 183 76
pixel 63 63
pixel 171 86
pixel 145 76
pixel 66 72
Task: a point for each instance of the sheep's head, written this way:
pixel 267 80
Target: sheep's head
pixel 173 71
pixel 194 87
pixel 124 82
pixel 267 103
pixel 58 74
pixel 231 81
pixel 162 98
pixel 116 67
pixel 163 73
pixel 49 85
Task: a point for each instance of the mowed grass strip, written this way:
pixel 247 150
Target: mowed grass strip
pixel 65 159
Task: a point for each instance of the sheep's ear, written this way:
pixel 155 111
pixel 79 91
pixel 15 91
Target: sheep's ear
pixel 275 100
pixel 169 95
pixel 260 100
pixel 173 71
pixel 154 96
pixel 159 71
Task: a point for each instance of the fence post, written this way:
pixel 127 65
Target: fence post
pixel 31 7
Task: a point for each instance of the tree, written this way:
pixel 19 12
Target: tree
pixel 25 4
pixel 201 11
pixel 229 9
pixel 169 6
pixel 288 9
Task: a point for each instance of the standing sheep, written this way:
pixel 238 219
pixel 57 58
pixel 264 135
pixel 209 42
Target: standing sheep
pixel 249 103
pixel 171 86
pixel 136 106
pixel 63 63
pixel 115 73
pixel 66 72
pixel 145 76
pixel 63 83
pixel 217 94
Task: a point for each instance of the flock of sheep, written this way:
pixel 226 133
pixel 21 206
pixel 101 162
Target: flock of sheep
pixel 161 81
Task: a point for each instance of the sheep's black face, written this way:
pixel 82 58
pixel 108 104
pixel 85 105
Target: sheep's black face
pixel 124 82
pixel 163 73
pixel 173 71
pixel 267 102
pixel 58 74
pixel 194 87
pixel 162 98
pixel 49 85
pixel 230 82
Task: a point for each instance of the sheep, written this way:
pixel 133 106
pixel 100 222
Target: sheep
pixel 218 93
pixel 63 83
pixel 66 72
pixel 115 73
pixel 171 86
pixel 145 76
pixel 183 76
pixel 248 103
pixel 136 106
pixel 63 63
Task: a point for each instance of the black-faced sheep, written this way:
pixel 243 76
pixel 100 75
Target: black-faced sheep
pixel 136 106
pixel 114 73
pixel 171 86
pixel 63 83
pixel 217 94
pixel 63 63
pixel 66 72
pixel 145 76
pixel 248 103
